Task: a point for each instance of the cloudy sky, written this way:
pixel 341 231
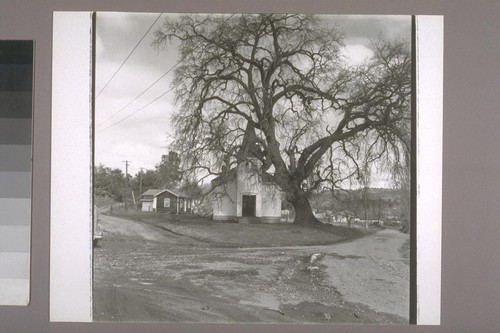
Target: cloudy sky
pixel 134 102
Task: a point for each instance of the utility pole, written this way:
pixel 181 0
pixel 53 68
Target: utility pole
pixel 126 182
pixel 140 182
pixel 365 204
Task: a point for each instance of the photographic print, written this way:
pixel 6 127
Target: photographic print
pixel 252 168
pixel 242 168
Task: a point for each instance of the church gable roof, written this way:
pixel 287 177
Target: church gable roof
pixel 226 176
pixel 250 147
pixel 231 175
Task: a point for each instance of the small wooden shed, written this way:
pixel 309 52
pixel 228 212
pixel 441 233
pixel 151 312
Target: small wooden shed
pixel 168 201
pixel 146 200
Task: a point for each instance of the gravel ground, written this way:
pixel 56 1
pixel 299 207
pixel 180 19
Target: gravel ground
pixel 170 274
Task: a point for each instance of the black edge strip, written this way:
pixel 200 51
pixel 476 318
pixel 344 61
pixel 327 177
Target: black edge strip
pixel 413 194
pixel 92 138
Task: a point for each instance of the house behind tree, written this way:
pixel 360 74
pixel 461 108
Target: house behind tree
pixel 166 201
pixel 146 200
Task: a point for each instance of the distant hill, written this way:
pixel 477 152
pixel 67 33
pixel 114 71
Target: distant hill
pixel 375 203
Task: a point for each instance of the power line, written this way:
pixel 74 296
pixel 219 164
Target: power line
pixel 145 106
pixel 129 55
pixel 143 92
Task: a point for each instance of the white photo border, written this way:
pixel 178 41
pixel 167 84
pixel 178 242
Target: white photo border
pixel 71 170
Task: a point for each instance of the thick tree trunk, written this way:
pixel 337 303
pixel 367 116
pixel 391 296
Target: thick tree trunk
pixel 303 211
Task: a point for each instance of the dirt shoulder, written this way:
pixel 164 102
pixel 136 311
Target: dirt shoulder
pixel 372 270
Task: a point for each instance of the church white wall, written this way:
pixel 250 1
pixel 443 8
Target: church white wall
pixel 248 183
pixel 224 202
pixel 271 203
pixel 227 201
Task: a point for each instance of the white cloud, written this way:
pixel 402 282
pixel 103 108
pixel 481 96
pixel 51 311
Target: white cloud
pixel 356 53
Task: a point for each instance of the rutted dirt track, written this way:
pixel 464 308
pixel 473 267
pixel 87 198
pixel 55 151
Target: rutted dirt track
pixel 145 273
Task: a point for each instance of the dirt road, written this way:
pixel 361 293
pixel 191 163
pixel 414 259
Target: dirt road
pixel 144 273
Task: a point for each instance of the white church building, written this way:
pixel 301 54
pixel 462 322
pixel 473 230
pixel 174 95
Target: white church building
pixel 246 192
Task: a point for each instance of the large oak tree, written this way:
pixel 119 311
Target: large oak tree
pixel 315 120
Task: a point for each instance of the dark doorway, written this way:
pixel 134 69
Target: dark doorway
pixel 248 208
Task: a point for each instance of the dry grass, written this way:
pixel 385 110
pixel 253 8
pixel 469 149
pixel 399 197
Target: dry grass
pixel 230 234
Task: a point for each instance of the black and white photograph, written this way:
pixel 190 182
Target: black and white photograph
pixel 252 168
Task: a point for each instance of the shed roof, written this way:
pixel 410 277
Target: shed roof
pixel 176 193
pixel 151 191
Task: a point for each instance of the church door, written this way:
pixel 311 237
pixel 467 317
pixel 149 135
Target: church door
pixel 248 208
